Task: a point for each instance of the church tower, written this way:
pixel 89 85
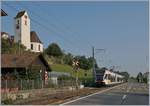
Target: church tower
pixel 22 29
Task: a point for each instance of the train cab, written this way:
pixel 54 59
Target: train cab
pixel 106 77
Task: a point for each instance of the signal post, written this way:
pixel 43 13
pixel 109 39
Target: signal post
pixel 75 65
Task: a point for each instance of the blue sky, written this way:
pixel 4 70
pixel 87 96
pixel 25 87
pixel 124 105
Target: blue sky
pixel 119 27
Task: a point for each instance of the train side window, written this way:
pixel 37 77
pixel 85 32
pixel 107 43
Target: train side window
pixel 109 76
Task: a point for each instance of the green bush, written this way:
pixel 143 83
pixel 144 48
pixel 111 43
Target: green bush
pixel 54 50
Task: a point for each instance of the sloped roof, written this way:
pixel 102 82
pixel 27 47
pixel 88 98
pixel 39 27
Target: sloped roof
pixel 34 37
pixel 21 61
pixel 20 14
pixel 3 13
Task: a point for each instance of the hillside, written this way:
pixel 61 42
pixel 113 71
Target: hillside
pixel 68 69
pixel 57 65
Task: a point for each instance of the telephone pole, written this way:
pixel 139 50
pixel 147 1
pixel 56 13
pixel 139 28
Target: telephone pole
pixel 93 64
pixel 93 56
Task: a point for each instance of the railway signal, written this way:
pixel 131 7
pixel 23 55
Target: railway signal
pixel 75 65
pixel 46 77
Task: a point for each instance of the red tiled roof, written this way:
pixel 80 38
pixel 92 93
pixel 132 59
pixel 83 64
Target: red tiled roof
pixel 34 37
pixel 21 61
pixel 15 60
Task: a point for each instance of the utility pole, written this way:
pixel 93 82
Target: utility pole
pixel 93 56
pixel 147 62
pixel 93 64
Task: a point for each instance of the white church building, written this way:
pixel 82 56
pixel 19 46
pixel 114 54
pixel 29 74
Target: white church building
pixel 23 34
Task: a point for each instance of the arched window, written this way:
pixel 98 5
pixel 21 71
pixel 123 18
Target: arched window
pixel 25 17
pixel 17 25
pixel 25 22
pixel 31 46
pixel 39 47
pixel 17 21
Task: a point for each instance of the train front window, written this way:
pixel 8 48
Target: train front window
pixel 99 77
pixel 106 76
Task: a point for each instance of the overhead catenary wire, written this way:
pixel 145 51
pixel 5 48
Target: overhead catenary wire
pixel 36 22
pixel 66 28
pixel 55 27
pixel 45 27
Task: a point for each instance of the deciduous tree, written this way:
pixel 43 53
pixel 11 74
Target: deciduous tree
pixel 54 50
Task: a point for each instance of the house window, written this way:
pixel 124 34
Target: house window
pixel 31 46
pixel 25 17
pixel 17 25
pixel 18 22
pixel 25 22
pixel 39 47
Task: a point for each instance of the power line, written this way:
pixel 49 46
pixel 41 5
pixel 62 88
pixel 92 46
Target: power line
pixel 32 20
pixel 51 24
pixel 43 26
pixel 65 26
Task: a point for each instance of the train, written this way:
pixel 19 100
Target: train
pixel 107 77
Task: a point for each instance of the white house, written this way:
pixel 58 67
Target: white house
pixel 36 44
pixel 23 34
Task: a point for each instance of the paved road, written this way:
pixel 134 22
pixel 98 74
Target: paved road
pixel 127 94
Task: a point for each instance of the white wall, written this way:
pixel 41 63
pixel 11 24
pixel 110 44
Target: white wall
pixel 17 36
pixel 23 33
pixel 36 47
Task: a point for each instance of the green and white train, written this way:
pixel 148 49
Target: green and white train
pixel 107 77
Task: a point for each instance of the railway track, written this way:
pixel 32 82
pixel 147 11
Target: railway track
pixel 60 96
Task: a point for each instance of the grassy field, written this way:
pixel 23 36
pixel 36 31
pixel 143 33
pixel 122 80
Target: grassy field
pixel 68 69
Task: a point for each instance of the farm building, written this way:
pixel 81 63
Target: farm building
pixel 12 64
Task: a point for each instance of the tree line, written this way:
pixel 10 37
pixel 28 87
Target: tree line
pixel 142 78
pixel 54 50
pixel 8 46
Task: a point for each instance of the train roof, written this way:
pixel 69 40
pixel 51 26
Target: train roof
pixel 102 71
pixel 113 73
